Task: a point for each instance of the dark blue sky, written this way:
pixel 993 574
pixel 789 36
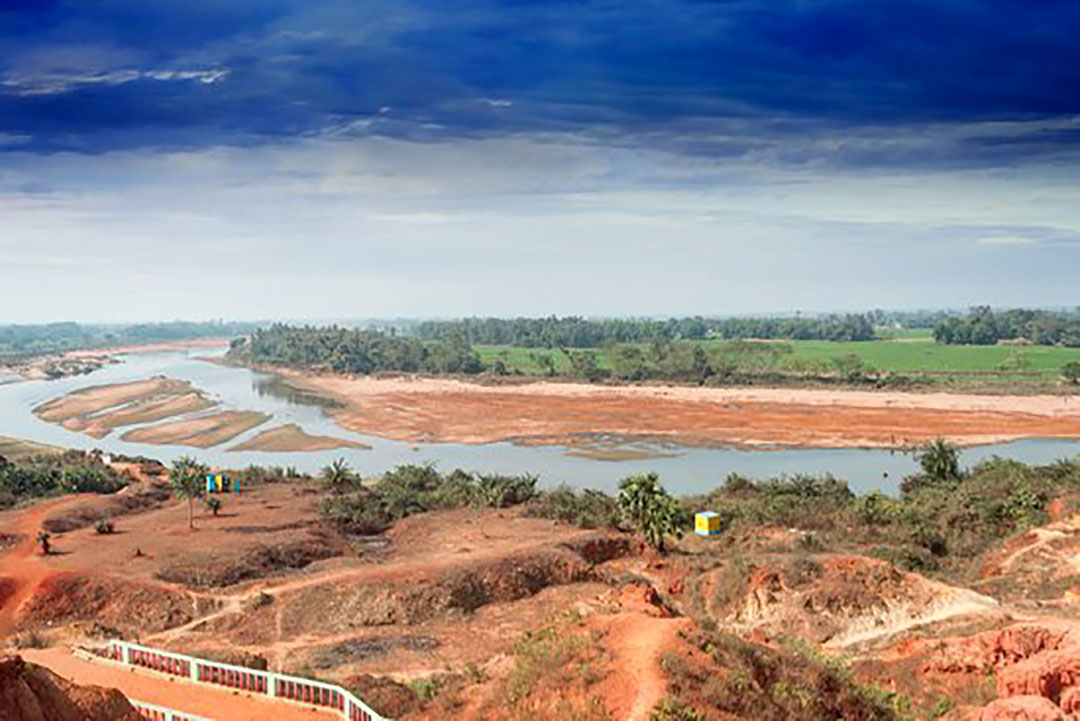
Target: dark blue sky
pixel 432 144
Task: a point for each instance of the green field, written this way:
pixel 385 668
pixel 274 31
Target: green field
pixel 913 354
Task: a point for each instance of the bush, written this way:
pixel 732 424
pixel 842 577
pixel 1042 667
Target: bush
pixel 410 489
pixel 104 526
pixel 584 508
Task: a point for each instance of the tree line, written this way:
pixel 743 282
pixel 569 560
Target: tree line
pixel 364 352
pixel 349 350
pixel 983 326
pixel 578 332
pixel 25 341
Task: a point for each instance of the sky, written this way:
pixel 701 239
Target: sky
pixel 435 158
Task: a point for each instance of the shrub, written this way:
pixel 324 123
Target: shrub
pixel 584 508
pixel 104 526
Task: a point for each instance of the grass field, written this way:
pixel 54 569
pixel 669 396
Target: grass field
pixel 912 353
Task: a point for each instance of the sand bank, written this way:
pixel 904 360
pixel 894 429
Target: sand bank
pixel 292 438
pixel 424 409
pixel 201 432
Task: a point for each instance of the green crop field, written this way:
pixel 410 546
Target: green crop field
pixel 913 353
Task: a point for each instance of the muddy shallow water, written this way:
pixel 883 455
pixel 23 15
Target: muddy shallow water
pixel 683 469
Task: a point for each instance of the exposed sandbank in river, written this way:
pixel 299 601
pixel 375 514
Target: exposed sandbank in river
pixel 291 438
pixel 201 432
pixel 98 410
pixel 440 410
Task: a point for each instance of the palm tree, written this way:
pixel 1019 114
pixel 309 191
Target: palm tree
pixel 649 508
pixel 940 460
pixel 186 477
pixel 338 477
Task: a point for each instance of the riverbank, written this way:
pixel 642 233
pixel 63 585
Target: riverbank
pixel 443 410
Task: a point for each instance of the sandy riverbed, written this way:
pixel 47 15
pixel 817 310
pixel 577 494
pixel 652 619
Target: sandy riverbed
pixel 424 409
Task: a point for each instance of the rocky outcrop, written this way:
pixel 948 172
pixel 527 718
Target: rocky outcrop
pixel 32 693
pixel 1022 708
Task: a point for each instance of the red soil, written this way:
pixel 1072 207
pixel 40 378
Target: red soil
pixel 23 572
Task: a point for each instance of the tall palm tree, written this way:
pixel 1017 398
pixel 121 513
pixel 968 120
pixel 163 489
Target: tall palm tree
pixel 186 477
pixel 649 508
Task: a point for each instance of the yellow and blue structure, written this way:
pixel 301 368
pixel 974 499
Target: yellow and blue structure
pixel 707 523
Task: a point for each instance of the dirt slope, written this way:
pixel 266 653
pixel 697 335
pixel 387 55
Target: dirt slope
pixel 29 692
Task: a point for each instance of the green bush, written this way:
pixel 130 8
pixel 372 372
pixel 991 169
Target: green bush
pixel 104 526
pixel 584 508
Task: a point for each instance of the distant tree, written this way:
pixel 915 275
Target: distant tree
pixel 1071 372
pixel 186 478
pixel 338 477
pixel 43 541
pixel 940 460
pixel 653 513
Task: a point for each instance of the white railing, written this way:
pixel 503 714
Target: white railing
pixel 151 712
pixel 239 678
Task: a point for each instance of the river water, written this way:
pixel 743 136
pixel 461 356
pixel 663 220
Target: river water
pixel 683 470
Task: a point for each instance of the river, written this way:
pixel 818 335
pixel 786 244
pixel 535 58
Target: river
pixel 684 470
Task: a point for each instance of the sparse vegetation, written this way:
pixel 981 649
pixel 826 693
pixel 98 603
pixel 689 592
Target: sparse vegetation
pixel 104 526
pixel 758 682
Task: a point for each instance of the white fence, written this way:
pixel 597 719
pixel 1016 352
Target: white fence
pixel 151 712
pixel 238 678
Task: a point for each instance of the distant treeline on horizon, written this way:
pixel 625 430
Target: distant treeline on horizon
pixel 23 341
pixel 979 326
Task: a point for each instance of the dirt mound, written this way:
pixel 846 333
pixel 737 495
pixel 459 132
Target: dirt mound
pixel 33 693
pixel 843 600
pixel 208 570
pixel 409 601
pixel 126 605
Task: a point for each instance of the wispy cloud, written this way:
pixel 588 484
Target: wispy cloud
pixel 56 83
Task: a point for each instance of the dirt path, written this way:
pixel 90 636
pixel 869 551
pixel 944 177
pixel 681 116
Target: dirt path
pixel 206 701
pixel 637 642
pixel 23 568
